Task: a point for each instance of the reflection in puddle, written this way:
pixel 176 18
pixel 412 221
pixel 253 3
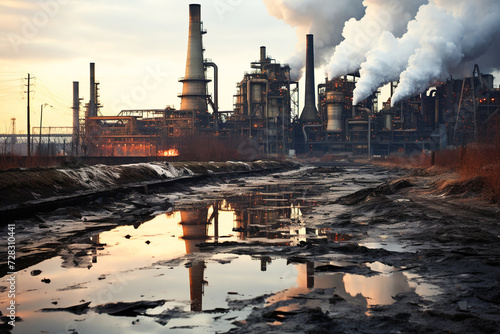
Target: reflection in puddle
pixel 366 291
pixel 160 260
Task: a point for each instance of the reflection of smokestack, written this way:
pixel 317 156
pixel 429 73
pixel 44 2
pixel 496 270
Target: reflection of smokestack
pixel 310 275
pixel 194 230
pixel 95 242
pixel 194 89
pixel 92 104
pixel 310 112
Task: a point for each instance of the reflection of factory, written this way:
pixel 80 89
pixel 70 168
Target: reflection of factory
pixel 265 114
pixel 266 214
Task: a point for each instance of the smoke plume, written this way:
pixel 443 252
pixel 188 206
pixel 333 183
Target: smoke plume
pixel 362 35
pixel 323 18
pixel 415 42
pixel 444 35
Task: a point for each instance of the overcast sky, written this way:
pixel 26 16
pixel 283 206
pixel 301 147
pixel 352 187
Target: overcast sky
pixel 139 48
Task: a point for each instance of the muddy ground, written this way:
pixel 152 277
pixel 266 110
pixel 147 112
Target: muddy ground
pixel 358 225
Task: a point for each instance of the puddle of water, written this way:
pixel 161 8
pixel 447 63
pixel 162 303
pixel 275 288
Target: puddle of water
pixel 368 291
pixel 160 260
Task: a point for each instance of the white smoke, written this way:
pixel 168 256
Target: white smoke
pixel 323 18
pixel 362 35
pixel 443 35
pixel 417 42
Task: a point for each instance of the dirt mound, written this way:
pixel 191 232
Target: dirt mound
pixel 383 189
pixel 21 185
pixel 28 184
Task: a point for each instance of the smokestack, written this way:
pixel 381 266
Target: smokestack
pixel 76 116
pixel 92 104
pixel 194 90
pixel 263 56
pixel 310 112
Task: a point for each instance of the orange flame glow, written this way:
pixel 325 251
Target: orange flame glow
pixel 173 152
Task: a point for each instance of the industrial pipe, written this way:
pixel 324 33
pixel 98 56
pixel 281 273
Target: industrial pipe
pixel 308 126
pixel 216 92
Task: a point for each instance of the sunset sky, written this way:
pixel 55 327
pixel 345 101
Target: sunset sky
pixel 138 46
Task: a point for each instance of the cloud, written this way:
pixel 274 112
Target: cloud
pixel 323 18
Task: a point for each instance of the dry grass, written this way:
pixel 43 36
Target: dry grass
pixel 9 161
pixel 197 147
pixel 476 162
pixel 209 148
pixel 484 162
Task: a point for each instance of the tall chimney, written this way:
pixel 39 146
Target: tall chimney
pixel 92 104
pixel 263 57
pixel 194 89
pixel 310 112
pixel 76 118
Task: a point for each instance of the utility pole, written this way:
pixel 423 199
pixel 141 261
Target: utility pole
pixel 13 141
pixel 40 139
pixel 29 137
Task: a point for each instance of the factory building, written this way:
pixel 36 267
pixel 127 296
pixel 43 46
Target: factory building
pixel 265 113
pixel 263 106
pixel 156 132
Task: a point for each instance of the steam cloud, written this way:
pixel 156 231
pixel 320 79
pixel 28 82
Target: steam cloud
pixel 360 36
pixel 323 18
pixel 418 42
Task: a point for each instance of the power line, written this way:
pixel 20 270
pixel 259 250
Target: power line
pixel 46 84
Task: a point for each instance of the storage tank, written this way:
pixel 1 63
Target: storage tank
pixel 334 110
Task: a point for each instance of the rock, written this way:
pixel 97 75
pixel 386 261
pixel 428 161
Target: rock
pixel 76 309
pixel 81 253
pixel 462 306
pixel 132 309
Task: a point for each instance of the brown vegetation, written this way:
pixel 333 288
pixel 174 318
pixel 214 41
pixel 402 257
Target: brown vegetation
pixel 8 161
pixel 476 162
pixel 482 162
pixel 213 148
pixel 199 147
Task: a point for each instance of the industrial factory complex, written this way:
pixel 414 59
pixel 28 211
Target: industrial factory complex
pixel 266 113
